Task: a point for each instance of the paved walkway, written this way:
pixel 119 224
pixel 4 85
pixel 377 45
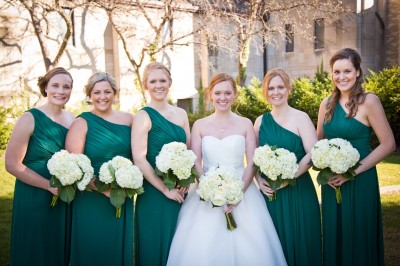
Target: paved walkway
pixel 389 189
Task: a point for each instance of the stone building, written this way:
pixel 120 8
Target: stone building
pixel 371 27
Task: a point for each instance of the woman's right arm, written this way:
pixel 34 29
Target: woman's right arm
pixel 16 151
pixel 321 118
pixel 76 136
pixel 139 137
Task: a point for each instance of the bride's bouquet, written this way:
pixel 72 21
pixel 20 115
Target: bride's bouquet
pixel 68 172
pixel 277 164
pixel 332 157
pixel 123 178
pixel 174 164
pixel 222 186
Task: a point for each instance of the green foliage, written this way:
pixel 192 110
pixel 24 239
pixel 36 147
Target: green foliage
pixel 307 94
pixel 8 116
pixel 201 108
pixel 250 102
pixel 386 85
pixel 5 127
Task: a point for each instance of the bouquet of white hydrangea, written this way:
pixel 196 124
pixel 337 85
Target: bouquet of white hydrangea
pixel 222 186
pixel 278 166
pixel 174 164
pixel 123 178
pixel 69 171
pixel 332 157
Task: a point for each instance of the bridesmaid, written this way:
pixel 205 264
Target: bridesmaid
pixel 353 229
pixel 39 232
pixel 158 207
pixel 98 237
pixel 295 211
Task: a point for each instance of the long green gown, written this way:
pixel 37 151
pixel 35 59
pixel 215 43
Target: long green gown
pixel 352 230
pixel 156 215
pixel 295 211
pixel 98 237
pixel 39 232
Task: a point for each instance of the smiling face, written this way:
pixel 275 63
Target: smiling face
pixel 344 75
pixel 158 84
pixel 223 95
pixel 59 89
pixel 277 93
pixel 102 96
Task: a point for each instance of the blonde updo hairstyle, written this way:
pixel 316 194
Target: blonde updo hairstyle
pixel 98 77
pixel 218 78
pixel 275 72
pixel 44 80
pixel 154 66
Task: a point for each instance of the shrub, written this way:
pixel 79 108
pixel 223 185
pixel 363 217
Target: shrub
pixel 250 102
pixel 386 85
pixel 307 94
pixel 5 127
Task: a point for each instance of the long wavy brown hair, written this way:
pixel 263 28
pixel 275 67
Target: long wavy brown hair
pixel 357 94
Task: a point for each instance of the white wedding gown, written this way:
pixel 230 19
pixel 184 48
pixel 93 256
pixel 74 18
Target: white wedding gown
pixel 202 238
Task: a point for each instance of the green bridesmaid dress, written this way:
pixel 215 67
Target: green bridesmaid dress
pixel 155 214
pixel 98 237
pixel 295 212
pixel 353 229
pixel 39 232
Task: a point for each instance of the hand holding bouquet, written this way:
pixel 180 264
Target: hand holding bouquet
pixel 69 171
pixel 123 178
pixel 334 157
pixel 277 164
pixel 222 186
pixel 174 164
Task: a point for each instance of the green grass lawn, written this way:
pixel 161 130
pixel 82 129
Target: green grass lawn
pixel 388 171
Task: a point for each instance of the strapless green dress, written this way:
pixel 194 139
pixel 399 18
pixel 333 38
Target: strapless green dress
pixel 295 212
pixel 39 232
pixel 156 215
pixel 98 237
pixel 353 229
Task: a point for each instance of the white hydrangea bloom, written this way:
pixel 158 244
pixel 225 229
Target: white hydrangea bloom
pixel 337 154
pixel 119 162
pixel 70 168
pixel 276 163
pixel 178 158
pixel 221 186
pixel 129 177
pixel 105 175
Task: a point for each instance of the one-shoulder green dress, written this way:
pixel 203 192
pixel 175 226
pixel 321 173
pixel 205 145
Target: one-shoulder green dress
pixel 39 232
pixel 98 237
pixel 295 212
pixel 155 214
pixel 353 229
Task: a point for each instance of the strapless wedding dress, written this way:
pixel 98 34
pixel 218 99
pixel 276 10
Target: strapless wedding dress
pixel 202 238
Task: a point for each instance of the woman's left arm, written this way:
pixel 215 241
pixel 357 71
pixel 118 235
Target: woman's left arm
pixel 308 137
pixel 377 119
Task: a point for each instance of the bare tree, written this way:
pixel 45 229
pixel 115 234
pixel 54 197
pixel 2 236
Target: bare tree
pixel 39 12
pixel 146 28
pixel 264 20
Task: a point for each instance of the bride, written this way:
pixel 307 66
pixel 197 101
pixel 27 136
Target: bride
pixel 202 237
